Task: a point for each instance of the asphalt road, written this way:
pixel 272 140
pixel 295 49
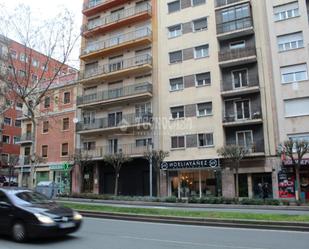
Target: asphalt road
pixel 112 234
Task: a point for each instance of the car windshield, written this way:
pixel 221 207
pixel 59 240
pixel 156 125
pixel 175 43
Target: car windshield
pixel 32 197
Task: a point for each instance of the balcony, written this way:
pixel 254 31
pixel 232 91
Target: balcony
pixel 235 28
pixel 230 87
pixel 97 6
pixel 228 3
pixel 118 19
pixel 128 149
pixel 234 119
pixel 256 148
pixel 124 94
pixel 124 123
pixel 120 68
pixel 129 40
pixel 26 139
pixel 237 57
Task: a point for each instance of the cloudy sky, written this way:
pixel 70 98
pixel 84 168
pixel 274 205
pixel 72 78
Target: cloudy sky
pixel 48 9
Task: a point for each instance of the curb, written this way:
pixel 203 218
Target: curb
pixel 186 205
pixel 265 225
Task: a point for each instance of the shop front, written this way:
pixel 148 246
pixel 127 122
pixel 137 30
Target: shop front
pixel 24 179
pixel 287 179
pixel 60 174
pixel 193 178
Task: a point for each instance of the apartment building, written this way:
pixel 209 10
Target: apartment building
pixel 215 90
pixel 54 137
pixel 288 25
pixel 17 57
pixel 116 99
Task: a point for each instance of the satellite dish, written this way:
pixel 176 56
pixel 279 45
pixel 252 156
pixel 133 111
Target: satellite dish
pixel 75 120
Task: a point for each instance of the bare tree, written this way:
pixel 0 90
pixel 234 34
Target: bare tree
pixel 12 163
pixel 295 150
pixel 117 160
pixel 234 154
pixel 29 78
pixel 157 157
pixel 81 160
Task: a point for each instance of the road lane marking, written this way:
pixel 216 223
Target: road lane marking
pixel 191 243
pixel 206 227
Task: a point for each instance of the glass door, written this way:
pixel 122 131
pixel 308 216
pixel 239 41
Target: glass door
pixel 242 109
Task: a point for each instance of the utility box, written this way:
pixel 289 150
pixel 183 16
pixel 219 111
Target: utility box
pixel 47 188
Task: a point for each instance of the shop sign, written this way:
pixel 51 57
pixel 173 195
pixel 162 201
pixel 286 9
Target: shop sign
pixel 289 162
pixel 56 167
pixel 190 164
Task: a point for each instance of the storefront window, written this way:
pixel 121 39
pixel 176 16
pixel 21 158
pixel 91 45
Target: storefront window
pixel 262 185
pixel 195 183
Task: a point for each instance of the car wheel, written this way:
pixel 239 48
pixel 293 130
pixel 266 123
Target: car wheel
pixel 19 232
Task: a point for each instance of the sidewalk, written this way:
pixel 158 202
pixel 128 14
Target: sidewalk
pixel 288 210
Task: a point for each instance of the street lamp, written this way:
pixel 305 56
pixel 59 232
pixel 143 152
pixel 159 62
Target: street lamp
pixel 150 148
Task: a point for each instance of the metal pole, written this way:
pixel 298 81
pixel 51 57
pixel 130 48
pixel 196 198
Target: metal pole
pixel 150 175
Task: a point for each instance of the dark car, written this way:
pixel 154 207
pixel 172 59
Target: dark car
pixel 28 214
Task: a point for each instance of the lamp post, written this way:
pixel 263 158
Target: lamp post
pixel 150 148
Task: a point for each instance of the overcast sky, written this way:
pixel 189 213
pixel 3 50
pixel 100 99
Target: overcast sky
pixel 44 9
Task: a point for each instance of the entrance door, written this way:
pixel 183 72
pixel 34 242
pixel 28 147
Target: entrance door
pixel 109 183
pixel 260 180
pixel 88 179
pixel 242 109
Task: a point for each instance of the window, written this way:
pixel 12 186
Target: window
pixel 296 107
pixel 240 78
pixel 174 31
pixel 238 45
pixel 22 74
pixel 23 57
pixel 177 112
pixel 114 119
pixel 234 13
pixel 294 73
pixel 290 41
pixel 242 109
pixel 299 137
pixel 13 54
pixel 91 69
pixel 176 84
pixel 65 124
pixel 286 11
pixel 34 78
pixel 116 63
pixel 200 24
pixel 198 2
pixel 5 160
pixel 18 123
pixel 66 97
pixel 7 121
pixel 173 6
pixel 47 102
pixel 244 139
pixel 35 63
pixel 204 109
pixel 89 118
pixel 45 126
pixel 44 151
pixel 19 106
pixel 6 139
pixel 16 140
pixel 89 145
pixel 201 51
pixel 178 142
pixel 202 79
pixel 65 149
pixel 142 110
pixel 143 142
pixel 205 139
pixel 175 56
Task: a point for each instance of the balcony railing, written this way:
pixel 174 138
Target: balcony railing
pixel 234 25
pixel 236 53
pixel 229 84
pixel 117 66
pixel 101 151
pixel 92 4
pixel 26 137
pixel 115 93
pixel 232 117
pixel 123 122
pixel 220 3
pixel 117 40
pixel 117 16
pixel 257 146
